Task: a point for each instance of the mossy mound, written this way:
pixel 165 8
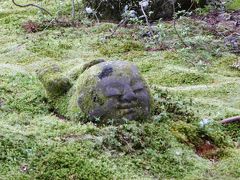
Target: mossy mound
pixel 20 91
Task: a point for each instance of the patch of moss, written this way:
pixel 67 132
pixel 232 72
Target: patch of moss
pixel 73 161
pixel 102 28
pixel 114 47
pixel 176 78
pixel 233 5
pixel 169 159
pixel 60 105
pixel 22 93
pixel 224 64
pixel 169 106
pixel 50 46
pixel 227 168
pixel 233 131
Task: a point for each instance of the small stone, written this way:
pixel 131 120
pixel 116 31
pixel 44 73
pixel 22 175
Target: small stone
pixel 204 122
pixel 24 168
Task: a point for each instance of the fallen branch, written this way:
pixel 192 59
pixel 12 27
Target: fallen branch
pixel 32 5
pixel 231 120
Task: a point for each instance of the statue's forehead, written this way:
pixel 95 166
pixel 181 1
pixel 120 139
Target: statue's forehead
pixel 117 69
pixel 105 72
pixel 114 81
pixel 119 81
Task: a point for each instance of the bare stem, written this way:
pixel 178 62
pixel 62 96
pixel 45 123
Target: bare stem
pixel 95 14
pixel 175 28
pixel 122 22
pixel 146 18
pixel 73 9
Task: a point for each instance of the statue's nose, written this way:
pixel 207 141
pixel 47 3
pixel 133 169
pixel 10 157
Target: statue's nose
pixel 129 96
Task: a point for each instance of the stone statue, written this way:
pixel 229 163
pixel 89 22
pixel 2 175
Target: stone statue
pixel 98 91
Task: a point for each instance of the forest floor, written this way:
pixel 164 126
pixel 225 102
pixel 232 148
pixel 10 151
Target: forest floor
pixel 193 86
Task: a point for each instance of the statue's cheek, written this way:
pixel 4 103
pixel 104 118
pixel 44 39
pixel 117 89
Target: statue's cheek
pixel 143 97
pixel 112 103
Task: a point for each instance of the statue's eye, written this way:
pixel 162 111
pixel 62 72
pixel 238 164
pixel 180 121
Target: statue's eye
pixel 137 87
pixel 113 92
pixel 137 90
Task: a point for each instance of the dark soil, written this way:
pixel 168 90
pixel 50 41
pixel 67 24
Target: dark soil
pixel 225 25
pixel 208 150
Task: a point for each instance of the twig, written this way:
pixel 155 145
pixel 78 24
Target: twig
pixel 78 7
pixel 49 24
pixel 33 5
pixel 175 28
pixel 231 120
pixel 95 14
pixel 99 5
pixel 180 37
pixel 122 22
pixel 146 18
pixel 73 9
pixel 95 11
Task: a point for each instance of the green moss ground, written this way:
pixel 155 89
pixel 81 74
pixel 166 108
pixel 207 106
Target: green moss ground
pixel 234 5
pixel 35 143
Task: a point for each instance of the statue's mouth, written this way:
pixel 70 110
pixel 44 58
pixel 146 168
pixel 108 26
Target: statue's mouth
pixel 127 106
pixel 129 113
pixel 128 110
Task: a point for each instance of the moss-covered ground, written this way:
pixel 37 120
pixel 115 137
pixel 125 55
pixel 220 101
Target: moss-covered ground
pixel 193 88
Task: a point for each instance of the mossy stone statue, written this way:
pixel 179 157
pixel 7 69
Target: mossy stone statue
pixel 105 91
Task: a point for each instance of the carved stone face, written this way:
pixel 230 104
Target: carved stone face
pixel 120 92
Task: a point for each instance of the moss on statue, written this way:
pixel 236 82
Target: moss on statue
pixel 53 80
